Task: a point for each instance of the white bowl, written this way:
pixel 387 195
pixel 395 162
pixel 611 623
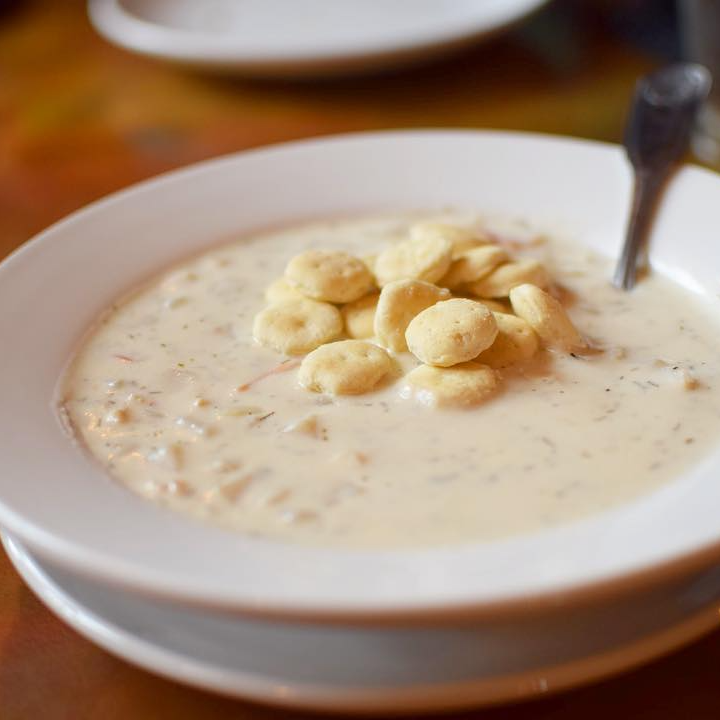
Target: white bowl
pixel 63 507
pixel 384 668
pixel 295 38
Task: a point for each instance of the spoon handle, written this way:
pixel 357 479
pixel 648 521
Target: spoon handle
pixel 661 116
pixel 646 190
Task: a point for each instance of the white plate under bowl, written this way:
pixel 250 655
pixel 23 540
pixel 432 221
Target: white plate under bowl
pixel 292 38
pixel 383 669
pixel 61 505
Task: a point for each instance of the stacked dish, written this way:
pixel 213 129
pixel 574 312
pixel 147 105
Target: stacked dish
pixel 337 625
pixel 294 38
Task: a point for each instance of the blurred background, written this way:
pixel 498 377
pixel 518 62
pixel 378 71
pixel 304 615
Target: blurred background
pixel 80 117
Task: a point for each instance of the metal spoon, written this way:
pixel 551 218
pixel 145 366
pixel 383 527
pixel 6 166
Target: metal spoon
pixel 656 136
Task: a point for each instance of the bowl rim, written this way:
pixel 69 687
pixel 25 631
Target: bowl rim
pixel 100 627
pixel 91 563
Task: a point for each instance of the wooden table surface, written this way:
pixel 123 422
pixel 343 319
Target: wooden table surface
pixel 80 118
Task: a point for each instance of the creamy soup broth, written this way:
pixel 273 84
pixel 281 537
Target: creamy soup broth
pixel 158 395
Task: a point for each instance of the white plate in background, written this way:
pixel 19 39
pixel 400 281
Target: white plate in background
pixel 300 37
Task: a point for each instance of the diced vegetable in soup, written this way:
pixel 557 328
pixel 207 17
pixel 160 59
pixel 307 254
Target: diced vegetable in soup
pixel 398 381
